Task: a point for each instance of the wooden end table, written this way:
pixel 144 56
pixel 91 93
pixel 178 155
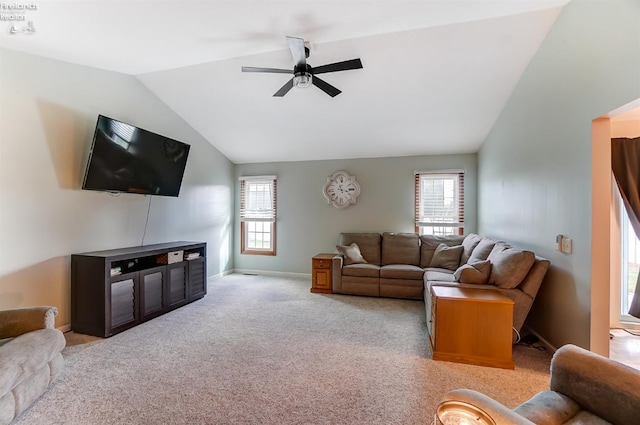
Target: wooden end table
pixel 471 326
pixel 321 270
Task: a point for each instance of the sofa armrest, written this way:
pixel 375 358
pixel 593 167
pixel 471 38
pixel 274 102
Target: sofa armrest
pixel 600 385
pixel 18 321
pixel 501 414
pixel 336 274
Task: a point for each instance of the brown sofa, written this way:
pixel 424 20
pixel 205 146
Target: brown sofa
pixel 585 388
pixel 407 265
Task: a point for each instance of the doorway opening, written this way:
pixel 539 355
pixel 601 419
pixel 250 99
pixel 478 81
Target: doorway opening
pixel 607 231
pixel 624 247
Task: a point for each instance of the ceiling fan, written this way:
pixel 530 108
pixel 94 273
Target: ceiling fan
pixel 303 74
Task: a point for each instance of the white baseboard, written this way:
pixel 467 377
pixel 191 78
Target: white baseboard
pixel 542 341
pixel 272 273
pixel 219 275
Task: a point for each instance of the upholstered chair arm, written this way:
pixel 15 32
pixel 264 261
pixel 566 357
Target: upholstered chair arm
pixel 598 384
pixel 501 414
pixel 19 321
pixel 336 273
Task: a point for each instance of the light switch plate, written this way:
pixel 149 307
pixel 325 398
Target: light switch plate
pixel 567 245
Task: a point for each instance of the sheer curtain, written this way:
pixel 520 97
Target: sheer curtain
pixel 625 163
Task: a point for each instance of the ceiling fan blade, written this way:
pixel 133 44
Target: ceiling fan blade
pixel 325 87
pixel 284 89
pixel 296 45
pixel 338 66
pixel 272 70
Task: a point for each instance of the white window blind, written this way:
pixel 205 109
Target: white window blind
pixel 122 130
pixel 258 198
pixel 439 205
pixel 122 134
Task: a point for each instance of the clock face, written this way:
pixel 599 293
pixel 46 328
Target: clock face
pixel 341 189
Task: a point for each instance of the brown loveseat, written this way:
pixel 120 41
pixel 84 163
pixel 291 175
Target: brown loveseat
pixel 407 265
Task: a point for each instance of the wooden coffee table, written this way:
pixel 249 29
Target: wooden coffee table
pixel 471 326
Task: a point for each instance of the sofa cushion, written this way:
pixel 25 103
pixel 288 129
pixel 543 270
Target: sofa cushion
pixel 469 243
pixel 429 243
pixel 402 271
pixel 361 270
pixel 477 273
pixel 500 246
pixel 369 244
pixel 358 285
pixel 509 265
pixel 438 275
pixel 400 248
pixel 351 254
pixel 446 257
pixel 482 250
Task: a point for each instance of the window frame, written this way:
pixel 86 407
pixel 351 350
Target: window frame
pixel 262 216
pixel 418 177
pixel 627 239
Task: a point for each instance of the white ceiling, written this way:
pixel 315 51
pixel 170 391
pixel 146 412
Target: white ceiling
pixel 436 74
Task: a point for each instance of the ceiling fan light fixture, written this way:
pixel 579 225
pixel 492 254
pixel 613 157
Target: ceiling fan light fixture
pixel 303 74
pixel 302 80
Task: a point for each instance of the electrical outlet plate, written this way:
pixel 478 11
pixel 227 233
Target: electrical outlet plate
pixel 567 245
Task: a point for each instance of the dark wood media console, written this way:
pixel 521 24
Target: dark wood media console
pixel 117 289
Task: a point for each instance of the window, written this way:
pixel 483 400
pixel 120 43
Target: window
pixel 630 265
pixel 439 203
pixel 122 133
pixel 258 215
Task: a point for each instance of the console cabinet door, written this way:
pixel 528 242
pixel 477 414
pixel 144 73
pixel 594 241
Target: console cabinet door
pixel 152 299
pixel 123 293
pixel 176 284
pixel 197 278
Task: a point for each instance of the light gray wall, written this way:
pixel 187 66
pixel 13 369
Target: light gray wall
pixel 535 166
pixel 48 111
pixel 307 225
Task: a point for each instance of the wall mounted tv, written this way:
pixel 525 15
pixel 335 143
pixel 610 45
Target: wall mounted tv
pixel 129 159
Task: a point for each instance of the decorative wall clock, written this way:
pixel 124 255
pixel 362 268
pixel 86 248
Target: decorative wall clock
pixel 341 189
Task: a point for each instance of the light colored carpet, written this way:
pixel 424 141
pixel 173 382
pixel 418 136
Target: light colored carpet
pixel 264 350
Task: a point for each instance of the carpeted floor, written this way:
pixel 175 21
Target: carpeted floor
pixel 264 350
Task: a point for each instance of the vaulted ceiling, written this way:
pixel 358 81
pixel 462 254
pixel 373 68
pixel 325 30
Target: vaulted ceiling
pixel 436 73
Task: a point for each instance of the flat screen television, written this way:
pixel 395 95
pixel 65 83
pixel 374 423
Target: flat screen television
pixel 129 159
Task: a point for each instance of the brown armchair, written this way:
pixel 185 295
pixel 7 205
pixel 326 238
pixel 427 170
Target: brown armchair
pixel 30 357
pixel 585 388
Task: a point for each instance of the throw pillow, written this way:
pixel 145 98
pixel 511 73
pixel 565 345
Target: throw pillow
pixel 446 257
pixel 476 273
pixel 509 266
pixel 469 243
pixel 429 243
pixel 482 250
pixel 351 254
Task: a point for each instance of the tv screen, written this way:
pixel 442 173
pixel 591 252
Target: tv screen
pixel 125 158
